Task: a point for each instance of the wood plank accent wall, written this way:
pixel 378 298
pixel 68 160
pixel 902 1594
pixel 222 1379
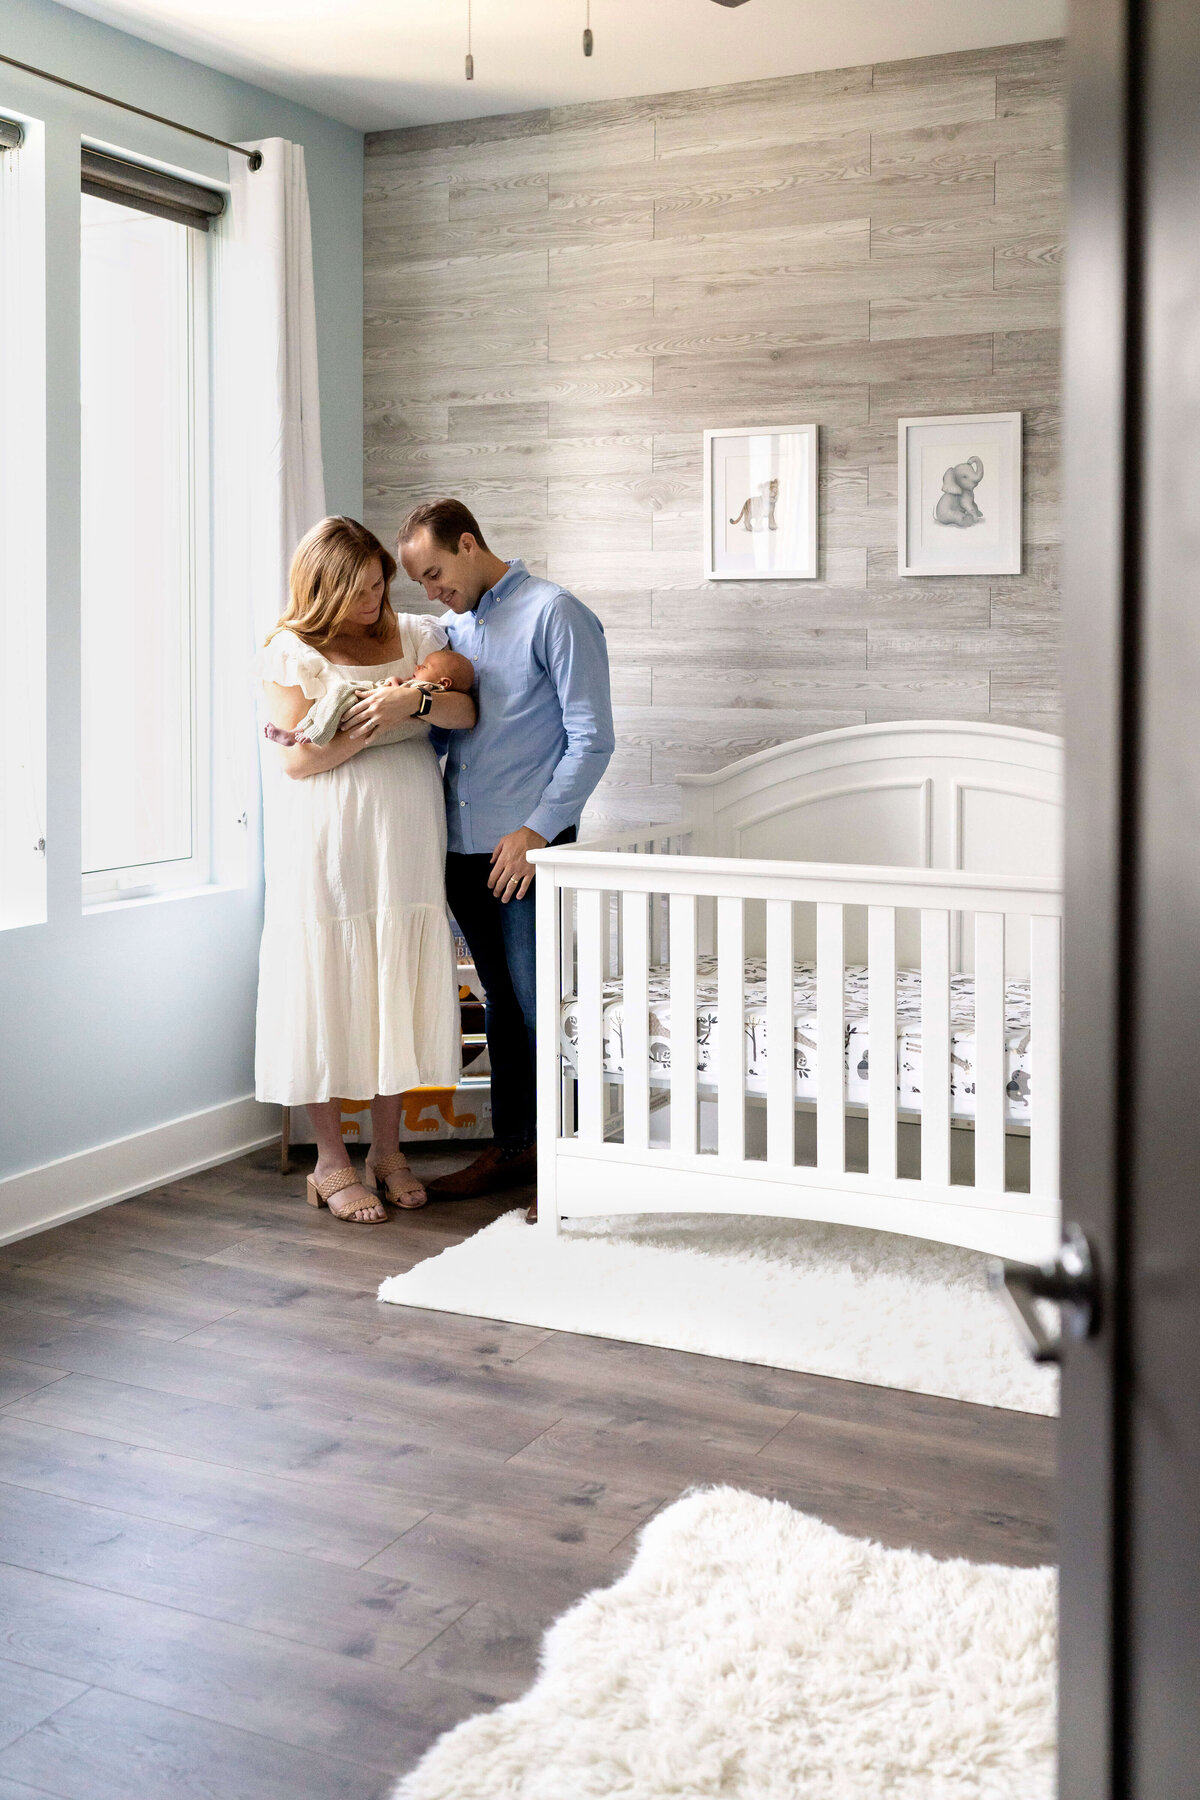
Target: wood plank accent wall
pixel 558 303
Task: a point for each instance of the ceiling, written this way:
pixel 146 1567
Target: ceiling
pixel 381 63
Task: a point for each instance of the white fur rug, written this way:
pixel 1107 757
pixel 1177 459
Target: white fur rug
pixel 754 1653
pixel 863 1305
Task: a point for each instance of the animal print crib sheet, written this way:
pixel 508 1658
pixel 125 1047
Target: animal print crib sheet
pixel 804 1043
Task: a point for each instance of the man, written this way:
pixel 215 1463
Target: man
pixel 519 781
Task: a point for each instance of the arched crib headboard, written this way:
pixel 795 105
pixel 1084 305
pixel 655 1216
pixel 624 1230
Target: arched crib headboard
pixel 915 794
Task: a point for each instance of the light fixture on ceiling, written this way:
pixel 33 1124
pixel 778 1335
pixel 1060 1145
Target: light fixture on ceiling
pixel 589 40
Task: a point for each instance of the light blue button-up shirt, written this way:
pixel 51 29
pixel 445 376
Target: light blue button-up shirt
pixel 545 731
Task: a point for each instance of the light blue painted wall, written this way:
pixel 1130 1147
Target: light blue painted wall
pixel 116 1021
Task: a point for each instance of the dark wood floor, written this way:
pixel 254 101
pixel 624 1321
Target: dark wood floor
pixel 262 1536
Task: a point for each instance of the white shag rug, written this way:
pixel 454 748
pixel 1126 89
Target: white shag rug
pixel 754 1653
pixel 827 1299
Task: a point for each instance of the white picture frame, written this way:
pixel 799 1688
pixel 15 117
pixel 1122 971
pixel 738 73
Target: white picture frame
pixel 959 495
pixel 760 503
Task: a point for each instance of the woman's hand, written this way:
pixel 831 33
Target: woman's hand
pixel 379 709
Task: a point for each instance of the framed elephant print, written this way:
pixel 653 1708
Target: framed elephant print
pixel 760 504
pixel 959 510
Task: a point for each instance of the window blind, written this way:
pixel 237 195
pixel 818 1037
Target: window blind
pixel 12 135
pixel 166 196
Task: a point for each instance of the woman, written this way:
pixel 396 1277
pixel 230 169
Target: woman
pixel 357 987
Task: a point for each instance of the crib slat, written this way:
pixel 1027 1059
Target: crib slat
pixel 831 1036
pixel 683 1023
pixel 635 936
pixel 550 992
pixel 1045 1046
pixel 881 1028
pixel 935 1046
pixel 591 1018
pixel 564 940
pixel 781 1078
pixel 731 1029
pixel 608 926
pixel 989 1051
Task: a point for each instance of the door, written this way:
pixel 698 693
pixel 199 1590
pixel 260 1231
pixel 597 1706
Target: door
pixel 1130 1461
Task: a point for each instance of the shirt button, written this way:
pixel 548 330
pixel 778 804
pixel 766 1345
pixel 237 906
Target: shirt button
pixel 462 803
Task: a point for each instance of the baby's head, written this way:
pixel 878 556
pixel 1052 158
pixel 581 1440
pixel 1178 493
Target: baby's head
pixel 448 670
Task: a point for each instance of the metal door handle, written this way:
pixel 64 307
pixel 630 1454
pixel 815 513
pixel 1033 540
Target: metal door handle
pixel 1070 1280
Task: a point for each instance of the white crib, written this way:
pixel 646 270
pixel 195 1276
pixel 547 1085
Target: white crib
pixel 894 885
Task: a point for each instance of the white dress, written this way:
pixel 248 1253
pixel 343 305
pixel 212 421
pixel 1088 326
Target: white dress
pixel 356 990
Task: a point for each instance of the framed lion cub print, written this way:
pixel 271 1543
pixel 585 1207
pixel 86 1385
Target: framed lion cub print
pixel 760 504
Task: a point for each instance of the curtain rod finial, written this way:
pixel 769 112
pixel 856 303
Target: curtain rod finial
pixel 254 161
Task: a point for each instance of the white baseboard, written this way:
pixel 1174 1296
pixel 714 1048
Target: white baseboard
pixel 58 1191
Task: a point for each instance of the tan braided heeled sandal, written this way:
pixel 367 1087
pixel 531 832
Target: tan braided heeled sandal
pixel 322 1193
pixel 399 1183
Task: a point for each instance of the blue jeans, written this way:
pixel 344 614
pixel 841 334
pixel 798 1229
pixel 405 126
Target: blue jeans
pixel 501 938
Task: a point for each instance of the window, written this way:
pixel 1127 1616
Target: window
pixel 22 526
pixel 144 537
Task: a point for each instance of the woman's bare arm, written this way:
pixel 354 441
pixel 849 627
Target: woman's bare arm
pixel 386 707
pixel 286 706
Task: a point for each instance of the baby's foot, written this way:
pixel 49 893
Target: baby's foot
pixel 278 735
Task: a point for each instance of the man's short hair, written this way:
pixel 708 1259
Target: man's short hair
pixel 446 521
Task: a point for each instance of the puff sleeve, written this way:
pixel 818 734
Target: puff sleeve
pixel 422 635
pixel 290 662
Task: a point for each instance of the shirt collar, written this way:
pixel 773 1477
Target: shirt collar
pixel 516 573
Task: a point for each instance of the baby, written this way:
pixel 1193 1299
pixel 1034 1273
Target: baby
pixel 441 672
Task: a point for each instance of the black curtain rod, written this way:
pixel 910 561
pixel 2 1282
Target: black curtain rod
pixel 253 157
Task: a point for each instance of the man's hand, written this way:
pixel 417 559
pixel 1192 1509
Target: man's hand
pixel 512 872
pixel 378 709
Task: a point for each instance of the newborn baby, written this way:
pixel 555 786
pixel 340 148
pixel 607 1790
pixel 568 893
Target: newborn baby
pixel 441 672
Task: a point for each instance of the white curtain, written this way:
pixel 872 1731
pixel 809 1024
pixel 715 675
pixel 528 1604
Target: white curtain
pixel 268 481
pixel 267 454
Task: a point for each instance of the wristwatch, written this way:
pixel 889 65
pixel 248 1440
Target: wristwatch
pixel 425 705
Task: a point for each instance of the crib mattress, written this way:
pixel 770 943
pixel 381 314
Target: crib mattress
pixel 804 1040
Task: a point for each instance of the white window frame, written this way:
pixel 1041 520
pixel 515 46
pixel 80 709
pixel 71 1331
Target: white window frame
pixel 23 530
pixel 104 887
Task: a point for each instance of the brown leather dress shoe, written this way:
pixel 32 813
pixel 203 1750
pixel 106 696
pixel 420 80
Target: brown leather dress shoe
pixel 492 1171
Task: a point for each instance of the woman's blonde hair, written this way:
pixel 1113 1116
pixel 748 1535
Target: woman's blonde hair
pixel 326 571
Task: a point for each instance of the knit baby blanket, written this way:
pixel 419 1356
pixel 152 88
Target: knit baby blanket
pixel 319 724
